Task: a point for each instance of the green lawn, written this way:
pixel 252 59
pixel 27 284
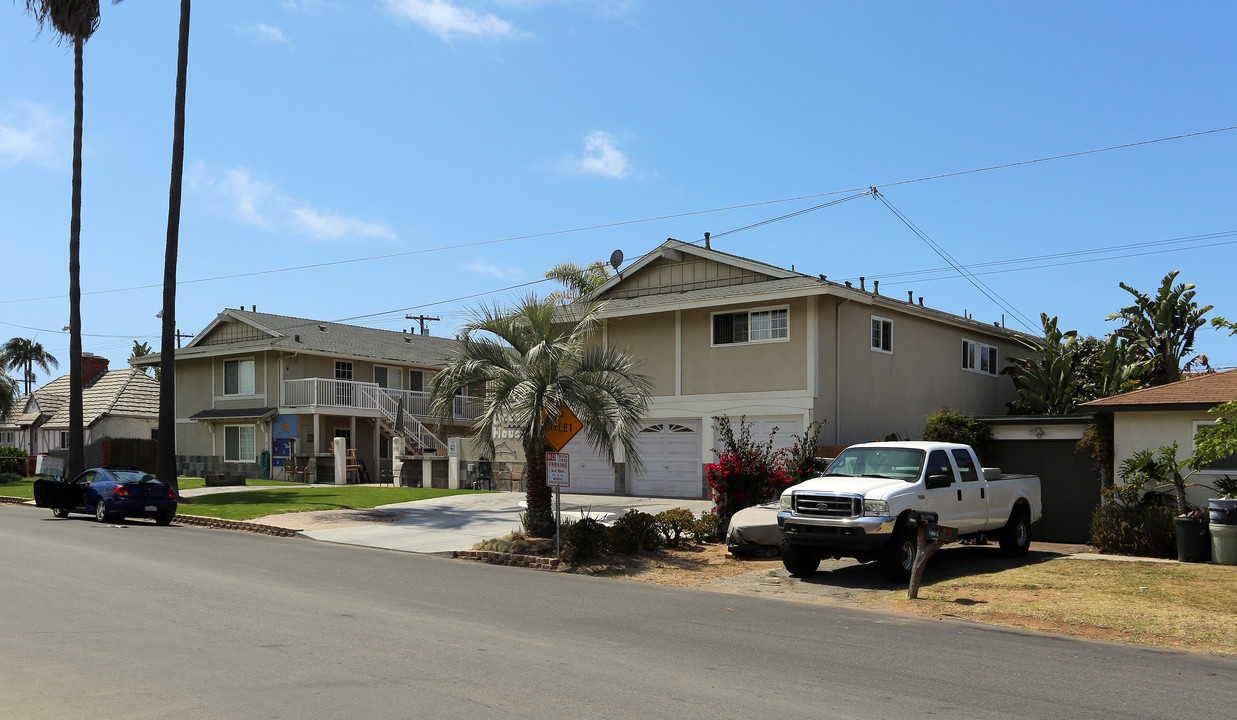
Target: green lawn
pixel 249 504
pixel 24 488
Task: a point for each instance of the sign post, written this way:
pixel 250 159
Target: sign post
pixel 558 476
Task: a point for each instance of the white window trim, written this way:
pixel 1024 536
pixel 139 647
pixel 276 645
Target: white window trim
pixel 251 358
pixel 225 443
pixel 749 311
pixel 995 355
pixel 1218 472
pixel 872 347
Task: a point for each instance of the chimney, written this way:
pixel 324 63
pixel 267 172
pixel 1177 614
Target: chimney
pixel 910 296
pixel 921 301
pixel 706 241
pixel 876 286
pixel 862 285
pixel 93 368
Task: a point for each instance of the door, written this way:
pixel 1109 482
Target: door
pixel 973 508
pixel 944 500
pixel 672 465
pixel 588 470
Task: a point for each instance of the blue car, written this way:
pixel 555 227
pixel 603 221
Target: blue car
pixel 110 494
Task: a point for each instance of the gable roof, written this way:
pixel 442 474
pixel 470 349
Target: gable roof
pixel 630 292
pixel 127 393
pixel 245 329
pixel 1200 392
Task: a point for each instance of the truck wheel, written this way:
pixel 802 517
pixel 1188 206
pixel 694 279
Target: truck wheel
pixel 1016 535
pixel 898 557
pixel 799 561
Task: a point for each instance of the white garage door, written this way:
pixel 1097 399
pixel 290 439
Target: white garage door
pixel 671 453
pixel 589 471
pixel 762 426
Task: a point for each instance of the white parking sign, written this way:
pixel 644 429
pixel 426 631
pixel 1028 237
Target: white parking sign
pixel 557 470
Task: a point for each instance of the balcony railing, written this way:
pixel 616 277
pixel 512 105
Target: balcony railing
pixel 356 395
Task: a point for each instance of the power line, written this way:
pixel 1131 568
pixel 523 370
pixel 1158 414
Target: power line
pixel 622 223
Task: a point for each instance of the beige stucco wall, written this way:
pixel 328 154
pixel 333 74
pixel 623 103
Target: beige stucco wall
pixel 883 393
pixel 1135 431
pixel 651 339
pixel 743 367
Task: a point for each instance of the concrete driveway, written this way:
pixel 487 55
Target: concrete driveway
pixel 457 522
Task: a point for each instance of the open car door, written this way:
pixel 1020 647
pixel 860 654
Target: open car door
pixel 57 494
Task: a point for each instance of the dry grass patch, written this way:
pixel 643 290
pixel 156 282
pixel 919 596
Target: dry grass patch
pixel 1170 605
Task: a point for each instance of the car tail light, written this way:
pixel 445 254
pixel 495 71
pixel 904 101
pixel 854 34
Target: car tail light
pixel 121 490
pixel 171 493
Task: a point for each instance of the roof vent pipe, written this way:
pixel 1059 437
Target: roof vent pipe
pixel 910 296
pixel 921 301
pixel 861 283
pixel 848 284
pixel 255 308
pixel 706 242
pixel 876 286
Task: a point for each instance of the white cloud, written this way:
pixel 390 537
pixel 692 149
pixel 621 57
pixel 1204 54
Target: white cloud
pixel 600 157
pixel 31 133
pixel 496 271
pixel 264 33
pixel 261 204
pixel 449 21
pixel 308 6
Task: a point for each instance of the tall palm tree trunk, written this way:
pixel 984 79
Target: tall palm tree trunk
pixel 540 519
pixel 76 442
pixel 165 463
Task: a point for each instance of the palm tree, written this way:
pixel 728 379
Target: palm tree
pixel 533 360
pixel 8 395
pixel 1162 328
pixel 165 460
pixel 74 21
pixel 579 281
pixel 22 354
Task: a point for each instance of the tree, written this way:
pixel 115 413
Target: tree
pixel 23 354
pixel 8 395
pixel 1047 382
pixel 142 349
pixel 533 360
pixel 73 21
pixel 1161 329
pixel 579 281
pixel 165 460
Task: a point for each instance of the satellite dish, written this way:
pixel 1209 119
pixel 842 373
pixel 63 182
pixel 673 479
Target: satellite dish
pixel 616 259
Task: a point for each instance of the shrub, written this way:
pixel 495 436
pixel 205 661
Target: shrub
pixel 583 539
pixel 8 477
pixel 746 473
pixel 1142 527
pixel 707 528
pixel 635 531
pixel 12 460
pixel 948 425
pixel 800 459
pixel 674 525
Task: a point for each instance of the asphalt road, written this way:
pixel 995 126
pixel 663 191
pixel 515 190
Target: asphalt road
pixel 144 621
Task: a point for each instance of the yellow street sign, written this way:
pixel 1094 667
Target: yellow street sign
pixel 560 434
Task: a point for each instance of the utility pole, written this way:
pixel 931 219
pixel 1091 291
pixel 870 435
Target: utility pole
pixel 422 319
pixel 179 336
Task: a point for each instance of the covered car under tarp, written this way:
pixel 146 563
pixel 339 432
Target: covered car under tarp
pixel 754 531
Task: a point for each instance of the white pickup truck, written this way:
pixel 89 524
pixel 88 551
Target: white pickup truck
pixel 859 507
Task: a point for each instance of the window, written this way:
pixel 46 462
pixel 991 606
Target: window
pixel 381 377
pixel 64 439
pixel 882 334
pixel 966 466
pixel 751 326
pixel 238 377
pixel 8 438
pixel 938 462
pixel 415 380
pixel 346 434
pixel 977 357
pixel 1226 465
pixel 384 447
pixel 238 443
pixel 343 370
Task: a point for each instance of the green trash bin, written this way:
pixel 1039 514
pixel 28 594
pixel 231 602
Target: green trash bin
pixel 1224 544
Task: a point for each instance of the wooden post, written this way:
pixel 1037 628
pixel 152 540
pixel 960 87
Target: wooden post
pixel 923 551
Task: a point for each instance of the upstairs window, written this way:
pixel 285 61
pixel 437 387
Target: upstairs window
pixel 882 334
pixel 238 377
pixel 751 326
pixel 979 358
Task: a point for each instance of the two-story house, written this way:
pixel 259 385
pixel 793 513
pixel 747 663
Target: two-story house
pixel 259 393
pixel 724 335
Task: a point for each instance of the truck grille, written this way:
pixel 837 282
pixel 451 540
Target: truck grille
pixel 819 505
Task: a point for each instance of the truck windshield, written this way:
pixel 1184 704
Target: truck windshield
pixel 892 463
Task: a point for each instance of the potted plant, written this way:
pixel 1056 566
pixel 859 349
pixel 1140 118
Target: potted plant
pixel 1161 470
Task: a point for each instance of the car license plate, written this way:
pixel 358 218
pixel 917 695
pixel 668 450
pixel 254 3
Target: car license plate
pixel 151 508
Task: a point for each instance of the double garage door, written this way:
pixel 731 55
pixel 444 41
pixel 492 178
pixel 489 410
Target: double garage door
pixel 671 453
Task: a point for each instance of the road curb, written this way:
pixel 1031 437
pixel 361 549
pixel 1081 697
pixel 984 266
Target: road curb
pixel 196 520
pixel 5 499
pixel 501 558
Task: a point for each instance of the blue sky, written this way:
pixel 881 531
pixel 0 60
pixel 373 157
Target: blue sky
pixel 457 139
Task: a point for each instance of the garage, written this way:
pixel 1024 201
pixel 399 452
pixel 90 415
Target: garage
pixel 589 471
pixel 671 453
pixel 787 426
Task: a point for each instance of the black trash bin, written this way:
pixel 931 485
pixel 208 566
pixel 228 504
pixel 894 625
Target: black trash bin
pixel 1193 540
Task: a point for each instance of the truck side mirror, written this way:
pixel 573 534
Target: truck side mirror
pixel 939 480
